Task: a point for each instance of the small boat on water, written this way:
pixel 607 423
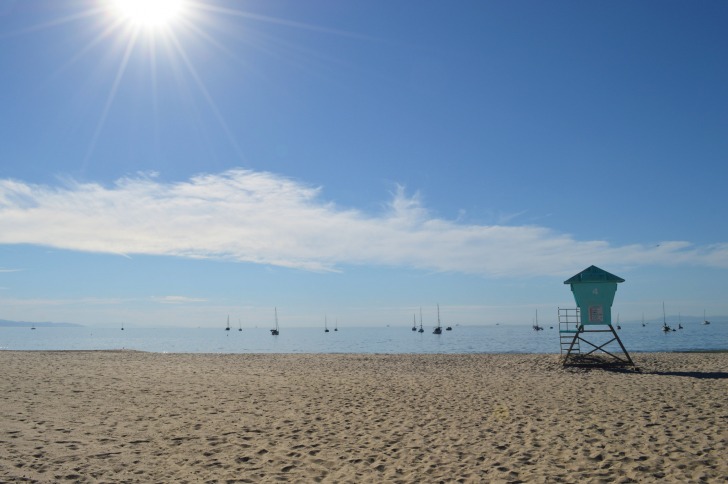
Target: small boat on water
pixel 414 323
pixel 275 331
pixel 227 328
pixel 240 328
pixel 336 325
pixel 705 321
pixel 421 330
pixel 665 327
pixel 438 328
pixel 536 327
pixel 326 327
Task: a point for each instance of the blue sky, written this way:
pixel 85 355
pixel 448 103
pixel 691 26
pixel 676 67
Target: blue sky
pixel 360 160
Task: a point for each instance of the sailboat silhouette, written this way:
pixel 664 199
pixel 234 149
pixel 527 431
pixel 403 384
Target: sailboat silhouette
pixel 275 331
pixel 438 328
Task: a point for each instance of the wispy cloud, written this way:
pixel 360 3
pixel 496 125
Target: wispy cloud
pixel 263 218
pixel 2 269
pixel 177 299
pixel 85 302
pixel 504 218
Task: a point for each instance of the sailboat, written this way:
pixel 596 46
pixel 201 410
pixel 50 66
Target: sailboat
pixel 326 328
pixel 227 328
pixel 122 326
pixel 536 327
pixel 705 321
pixel 438 328
pixel 679 321
pixel 241 325
pixel 665 327
pixel 275 332
pixel 421 330
pixel 618 326
pixel 414 323
pixel 643 320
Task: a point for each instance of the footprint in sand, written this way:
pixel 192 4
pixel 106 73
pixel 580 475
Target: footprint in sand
pixel 501 413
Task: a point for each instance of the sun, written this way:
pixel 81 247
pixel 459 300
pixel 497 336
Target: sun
pixel 149 13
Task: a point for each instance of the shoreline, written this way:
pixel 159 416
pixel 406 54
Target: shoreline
pixel 128 415
pixel 131 350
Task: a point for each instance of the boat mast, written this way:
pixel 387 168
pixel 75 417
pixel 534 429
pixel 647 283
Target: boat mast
pixel 275 332
pixel 438 329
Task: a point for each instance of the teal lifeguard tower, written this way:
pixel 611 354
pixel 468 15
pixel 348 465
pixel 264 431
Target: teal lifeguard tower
pixel 594 291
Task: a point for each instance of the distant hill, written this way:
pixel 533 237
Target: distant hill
pixel 23 324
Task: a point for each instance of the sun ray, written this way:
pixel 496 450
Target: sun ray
pixel 110 99
pixel 286 23
pixel 207 96
pixel 155 91
pixel 91 12
pixel 201 33
pixel 88 46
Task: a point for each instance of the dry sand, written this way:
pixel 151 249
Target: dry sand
pixel 140 417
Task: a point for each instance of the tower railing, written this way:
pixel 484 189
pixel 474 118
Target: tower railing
pixel 569 324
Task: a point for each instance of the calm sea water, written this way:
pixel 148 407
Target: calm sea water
pixel 462 339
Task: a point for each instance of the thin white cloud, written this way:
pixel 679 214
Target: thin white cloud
pixel 263 218
pixel 177 299
pixel 504 218
pixel 3 270
pixel 86 301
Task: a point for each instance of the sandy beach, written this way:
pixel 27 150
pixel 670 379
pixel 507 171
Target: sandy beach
pixel 141 417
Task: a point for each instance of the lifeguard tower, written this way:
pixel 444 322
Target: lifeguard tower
pixel 593 290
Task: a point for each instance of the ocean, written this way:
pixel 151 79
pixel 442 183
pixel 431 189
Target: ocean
pixel 400 339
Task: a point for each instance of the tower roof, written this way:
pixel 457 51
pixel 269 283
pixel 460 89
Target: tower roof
pixel 593 274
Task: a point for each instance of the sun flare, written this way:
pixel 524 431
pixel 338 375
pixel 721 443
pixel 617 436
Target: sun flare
pixel 149 13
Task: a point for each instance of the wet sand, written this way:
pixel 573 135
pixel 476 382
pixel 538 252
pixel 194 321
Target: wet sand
pixel 141 417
